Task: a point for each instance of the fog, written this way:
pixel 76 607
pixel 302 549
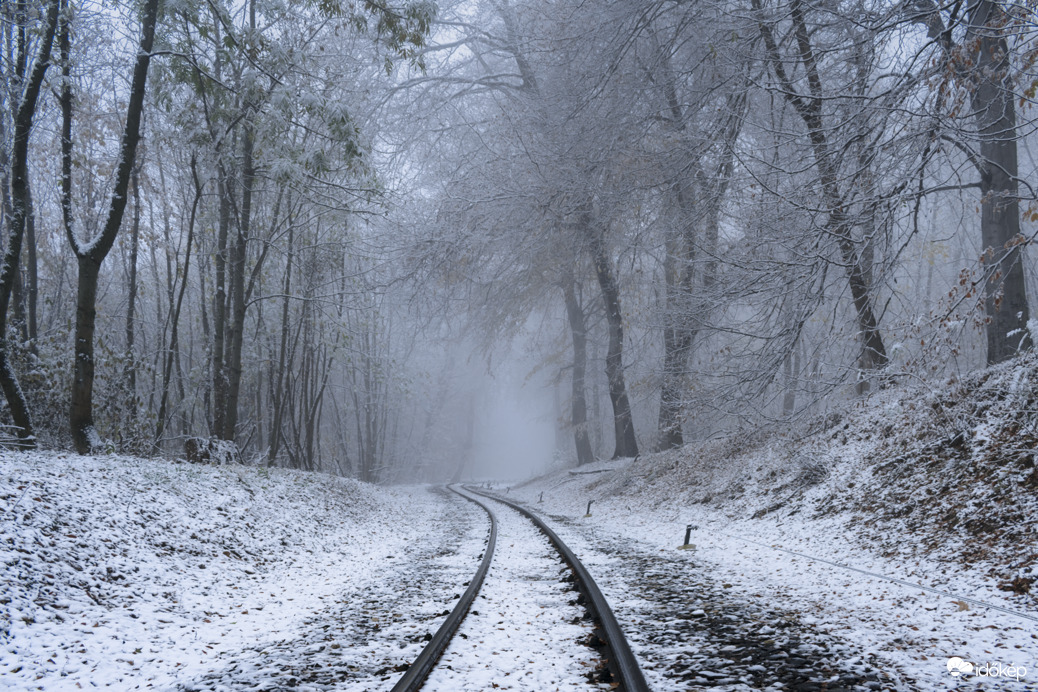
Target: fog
pixel 515 432
pixel 480 411
pixel 486 238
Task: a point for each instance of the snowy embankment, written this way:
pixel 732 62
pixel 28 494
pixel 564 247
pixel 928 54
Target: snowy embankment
pixel 936 488
pixel 121 572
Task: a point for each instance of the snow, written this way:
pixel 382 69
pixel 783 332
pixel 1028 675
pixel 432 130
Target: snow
pixel 903 530
pixel 866 552
pixel 911 633
pixel 523 631
pixel 121 572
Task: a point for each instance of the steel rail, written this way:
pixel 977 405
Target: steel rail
pixel 418 671
pixel 622 663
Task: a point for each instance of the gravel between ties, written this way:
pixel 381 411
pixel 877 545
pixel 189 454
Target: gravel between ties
pixel 690 632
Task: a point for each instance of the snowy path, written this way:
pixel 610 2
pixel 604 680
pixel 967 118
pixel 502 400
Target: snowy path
pixel 524 631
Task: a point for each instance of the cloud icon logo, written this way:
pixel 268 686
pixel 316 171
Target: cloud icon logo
pixel 956 666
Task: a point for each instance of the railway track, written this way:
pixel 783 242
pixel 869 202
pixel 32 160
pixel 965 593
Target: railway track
pixel 443 661
pixel 530 618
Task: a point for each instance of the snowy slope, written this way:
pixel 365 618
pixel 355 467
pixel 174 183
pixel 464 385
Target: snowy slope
pixel 930 487
pixel 119 572
pixel 893 536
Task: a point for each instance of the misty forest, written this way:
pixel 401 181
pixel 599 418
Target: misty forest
pixel 335 233
pixel 727 299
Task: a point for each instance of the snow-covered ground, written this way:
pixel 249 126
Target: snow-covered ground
pixel 865 552
pixel 906 527
pixel 905 632
pixel 126 573
pixel 524 630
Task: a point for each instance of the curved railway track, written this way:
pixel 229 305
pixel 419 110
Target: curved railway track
pixel 607 635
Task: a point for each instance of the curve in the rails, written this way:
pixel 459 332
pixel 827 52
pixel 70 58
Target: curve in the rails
pixel 622 662
pixel 418 671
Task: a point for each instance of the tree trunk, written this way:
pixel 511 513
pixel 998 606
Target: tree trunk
pixel 677 332
pixel 279 376
pixel 578 331
pixel 92 255
pixel 678 270
pixel 131 301
pixel 596 423
pixel 236 332
pixel 20 209
pixel 1005 299
pixel 84 435
pixel 232 363
pixel 792 372
pixel 17 320
pixel 32 274
pixel 675 358
pixel 623 421
pixel 24 292
pixel 173 354
pixel 219 373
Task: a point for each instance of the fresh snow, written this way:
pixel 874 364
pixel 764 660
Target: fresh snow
pixel 524 630
pixel 122 573
pixel 871 552
pixel 642 507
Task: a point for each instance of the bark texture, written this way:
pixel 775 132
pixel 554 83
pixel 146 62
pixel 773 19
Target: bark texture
pixel 623 421
pixel 1005 298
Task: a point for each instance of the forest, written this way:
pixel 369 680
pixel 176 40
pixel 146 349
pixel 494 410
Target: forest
pixel 307 231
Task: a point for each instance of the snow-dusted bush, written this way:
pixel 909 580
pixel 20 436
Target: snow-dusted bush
pixel 201 450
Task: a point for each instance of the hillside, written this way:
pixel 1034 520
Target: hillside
pixel 121 572
pixel 936 487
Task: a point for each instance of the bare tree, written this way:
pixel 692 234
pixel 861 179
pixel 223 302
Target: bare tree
pixel 808 105
pixel 982 62
pixel 91 254
pixel 21 203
